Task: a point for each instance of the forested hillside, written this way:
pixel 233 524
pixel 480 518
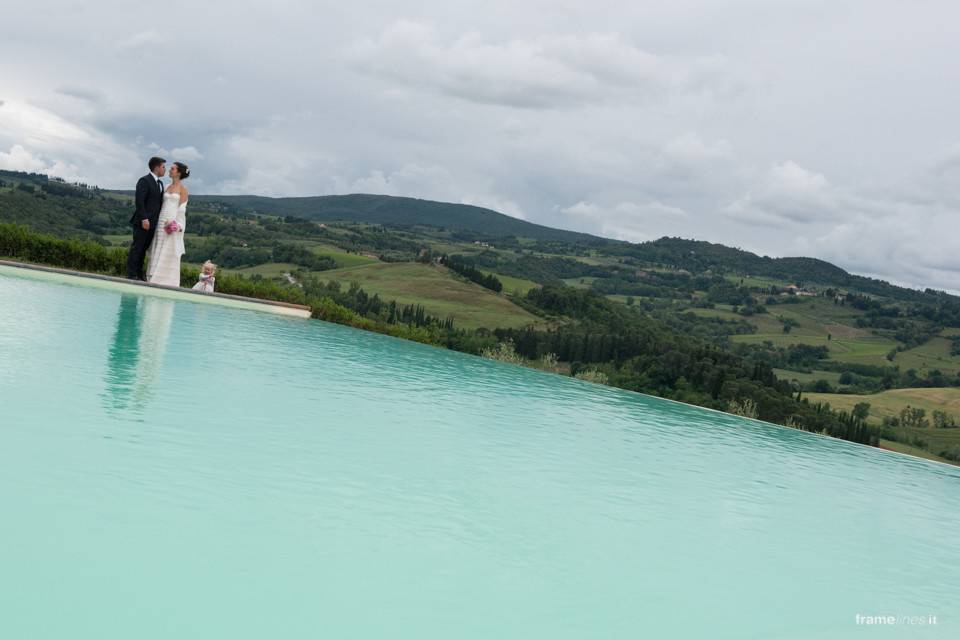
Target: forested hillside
pixel 399 212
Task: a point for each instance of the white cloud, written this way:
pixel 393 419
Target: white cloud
pixel 624 220
pixel 896 248
pixel 19 159
pixel 186 154
pixel 789 194
pixel 46 142
pixel 35 126
pixel 496 204
pixel 690 149
pixel 888 234
pixel 143 40
pixel 545 71
pixel 85 94
pixel 409 180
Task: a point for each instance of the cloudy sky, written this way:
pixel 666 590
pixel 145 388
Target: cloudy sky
pixel 826 128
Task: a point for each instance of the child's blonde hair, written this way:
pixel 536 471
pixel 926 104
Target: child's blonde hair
pixel 209 265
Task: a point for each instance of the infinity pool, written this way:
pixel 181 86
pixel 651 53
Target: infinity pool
pixel 175 469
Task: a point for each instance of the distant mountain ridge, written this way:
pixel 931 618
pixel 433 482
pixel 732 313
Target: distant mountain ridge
pixel 401 211
pixel 697 255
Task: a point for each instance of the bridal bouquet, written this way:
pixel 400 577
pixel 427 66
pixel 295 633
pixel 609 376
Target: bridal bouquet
pixel 171 227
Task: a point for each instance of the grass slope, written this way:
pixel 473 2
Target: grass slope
pixel 438 290
pixel 342 258
pixel 934 354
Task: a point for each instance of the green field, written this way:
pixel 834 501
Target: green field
pixel 821 323
pixel 438 290
pixel 934 354
pixel 902 447
pixel 889 404
pixel 343 259
pixel 513 285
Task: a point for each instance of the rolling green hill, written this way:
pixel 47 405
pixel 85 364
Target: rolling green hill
pixel 698 256
pixel 682 253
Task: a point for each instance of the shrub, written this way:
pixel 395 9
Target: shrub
pixel 548 362
pixel 503 352
pixel 746 407
pixel 593 375
pixel 20 243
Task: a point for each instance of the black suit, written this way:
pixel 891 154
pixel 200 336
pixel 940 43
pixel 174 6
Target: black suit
pixel 148 199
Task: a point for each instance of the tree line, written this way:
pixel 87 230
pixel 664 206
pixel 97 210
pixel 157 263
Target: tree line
pixel 458 265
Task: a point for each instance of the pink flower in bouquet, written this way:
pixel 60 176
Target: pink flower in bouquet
pixel 171 227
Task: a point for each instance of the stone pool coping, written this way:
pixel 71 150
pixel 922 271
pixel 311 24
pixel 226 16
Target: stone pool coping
pixel 145 288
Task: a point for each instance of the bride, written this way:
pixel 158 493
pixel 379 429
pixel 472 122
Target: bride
pixel 168 245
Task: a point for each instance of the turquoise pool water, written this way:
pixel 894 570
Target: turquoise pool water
pixel 181 470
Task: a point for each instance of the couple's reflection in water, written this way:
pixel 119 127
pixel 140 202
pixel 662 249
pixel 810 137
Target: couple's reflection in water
pixel 137 352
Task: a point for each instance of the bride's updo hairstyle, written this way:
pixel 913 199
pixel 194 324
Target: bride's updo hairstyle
pixel 183 170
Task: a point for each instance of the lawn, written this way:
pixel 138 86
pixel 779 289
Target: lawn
pixel 438 290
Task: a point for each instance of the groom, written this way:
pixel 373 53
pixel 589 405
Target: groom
pixel 148 199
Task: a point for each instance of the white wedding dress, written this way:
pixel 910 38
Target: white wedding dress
pixel 167 248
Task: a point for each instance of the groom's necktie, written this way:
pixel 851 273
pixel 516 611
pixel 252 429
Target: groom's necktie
pixel 160 182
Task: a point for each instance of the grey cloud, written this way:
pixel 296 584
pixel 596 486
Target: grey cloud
pixel 86 94
pixel 547 71
pixel 141 41
pixel 634 120
pixel 624 220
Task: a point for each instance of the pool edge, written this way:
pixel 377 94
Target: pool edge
pixel 178 293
